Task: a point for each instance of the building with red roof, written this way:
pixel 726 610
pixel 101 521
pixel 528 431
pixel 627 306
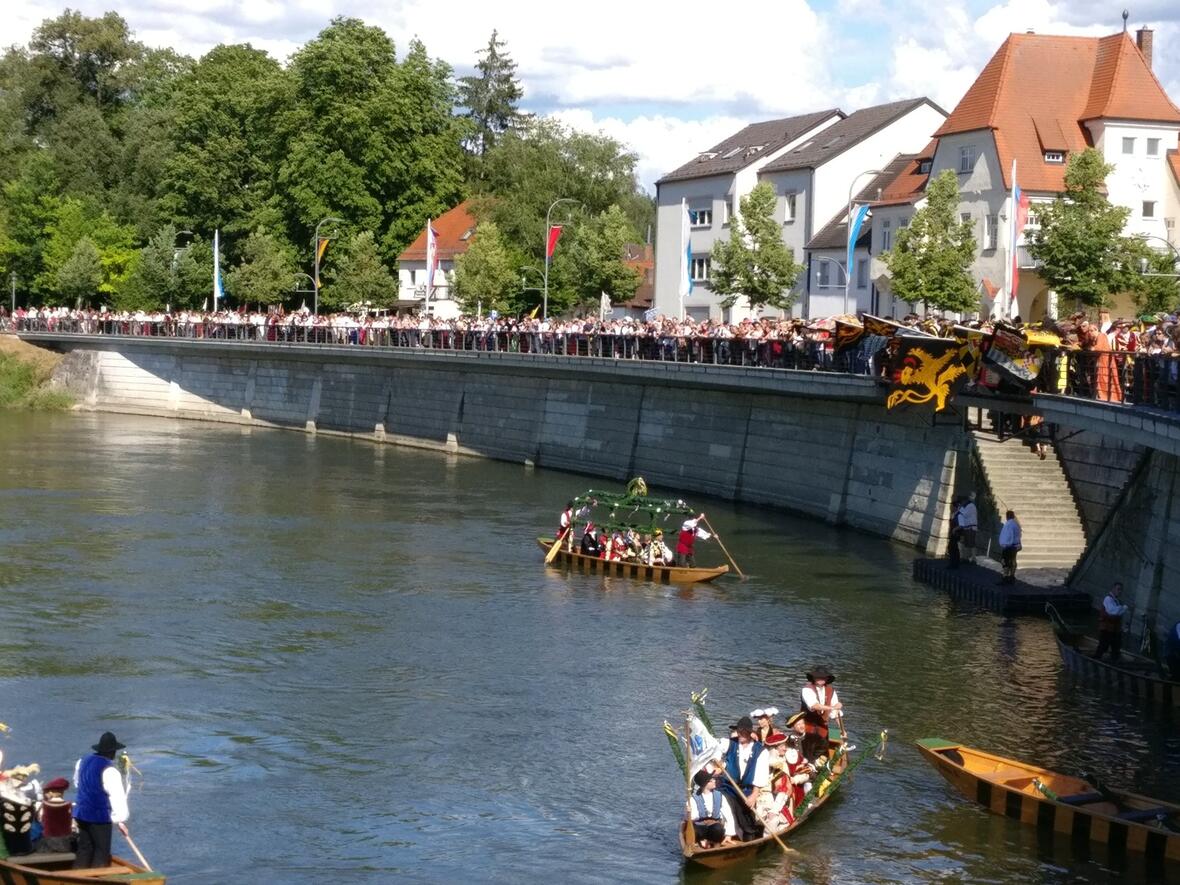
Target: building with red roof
pixel 453 231
pixel 1040 99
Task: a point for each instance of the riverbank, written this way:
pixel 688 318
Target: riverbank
pixel 25 372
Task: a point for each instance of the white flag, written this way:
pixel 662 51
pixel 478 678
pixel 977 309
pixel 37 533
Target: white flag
pixel 685 288
pixel 604 306
pixel 702 746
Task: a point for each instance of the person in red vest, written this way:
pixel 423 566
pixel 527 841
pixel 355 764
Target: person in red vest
pixel 689 532
pixel 57 821
pixel 820 706
pixel 1110 623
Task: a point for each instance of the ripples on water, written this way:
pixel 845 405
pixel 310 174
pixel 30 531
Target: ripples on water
pixel 339 662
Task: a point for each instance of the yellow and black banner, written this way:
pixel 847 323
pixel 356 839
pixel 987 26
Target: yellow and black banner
pixel 847 334
pixel 926 370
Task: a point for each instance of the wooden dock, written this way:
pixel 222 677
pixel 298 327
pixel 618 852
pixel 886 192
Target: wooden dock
pixel 979 585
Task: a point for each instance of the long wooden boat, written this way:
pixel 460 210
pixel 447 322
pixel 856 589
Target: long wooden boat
pixel 1059 803
pixel 57 869
pixel 1133 675
pixel 724 855
pixel 661 574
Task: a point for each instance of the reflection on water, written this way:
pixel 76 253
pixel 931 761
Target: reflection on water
pixel 339 662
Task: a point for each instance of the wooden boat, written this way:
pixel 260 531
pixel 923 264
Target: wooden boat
pixel 1133 675
pixel 1059 803
pixel 724 855
pixel 57 869
pixel 661 574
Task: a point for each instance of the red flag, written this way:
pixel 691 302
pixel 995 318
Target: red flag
pixel 554 236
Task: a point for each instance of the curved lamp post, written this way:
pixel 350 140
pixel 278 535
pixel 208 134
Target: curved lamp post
pixel 1175 254
pixel 548 228
pixel 316 252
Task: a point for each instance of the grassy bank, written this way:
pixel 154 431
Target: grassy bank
pixel 24 378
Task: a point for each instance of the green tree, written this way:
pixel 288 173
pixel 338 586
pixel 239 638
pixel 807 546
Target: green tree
pixel 491 96
pixel 152 283
pixel 1155 294
pixel 266 271
pixel 360 277
pixel 194 275
pixel 81 274
pixel 594 263
pixel 755 262
pixel 73 221
pixel 93 55
pixel 930 259
pixel 486 275
pixel 1080 241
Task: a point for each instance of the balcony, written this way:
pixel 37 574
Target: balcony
pixel 1024 259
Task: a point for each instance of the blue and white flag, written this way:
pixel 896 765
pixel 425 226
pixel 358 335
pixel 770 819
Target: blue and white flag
pixel 855 222
pixel 702 746
pixel 218 291
pixel 685 253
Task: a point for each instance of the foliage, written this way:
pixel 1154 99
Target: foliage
pixel 152 284
pixel 755 262
pixel 486 275
pixel 491 97
pixel 24 385
pixel 80 274
pixel 266 272
pixel 930 259
pixel 1156 294
pixel 114 243
pixel 360 277
pixel 1080 241
pixel 593 263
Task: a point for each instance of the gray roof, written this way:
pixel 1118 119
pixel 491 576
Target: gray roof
pixel 836 139
pixel 735 152
pixel 834 234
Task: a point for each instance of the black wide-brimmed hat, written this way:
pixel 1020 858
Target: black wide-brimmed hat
pixel 745 724
pixel 820 672
pixel 108 743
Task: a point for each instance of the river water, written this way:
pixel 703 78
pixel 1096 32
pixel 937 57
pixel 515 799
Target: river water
pixel 340 662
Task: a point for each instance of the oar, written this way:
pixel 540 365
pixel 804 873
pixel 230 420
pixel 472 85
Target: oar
pixel 552 554
pixel 724 549
pixel 139 854
pixel 765 826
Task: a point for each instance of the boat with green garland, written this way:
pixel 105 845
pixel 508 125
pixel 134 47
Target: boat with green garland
pixel 634 511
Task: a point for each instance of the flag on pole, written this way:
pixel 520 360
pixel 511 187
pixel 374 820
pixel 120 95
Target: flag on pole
pixel 604 306
pixel 321 249
pixel 1019 212
pixel 855 222
pixel 431 256
pixel 218 292
pixel 686 254
pixel 554 236
pixel 702 746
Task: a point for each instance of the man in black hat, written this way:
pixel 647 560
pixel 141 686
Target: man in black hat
pixel 747 767
pixel 101 803
pixel 821 705
pixel 708 809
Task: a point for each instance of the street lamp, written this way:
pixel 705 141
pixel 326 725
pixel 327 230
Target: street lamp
pixel 316 281
pixel 548 228
pixel 849 247
pixel 842 267
pixel 1175 260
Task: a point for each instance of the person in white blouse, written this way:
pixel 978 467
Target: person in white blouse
pixel 709 811
pixel 1010 537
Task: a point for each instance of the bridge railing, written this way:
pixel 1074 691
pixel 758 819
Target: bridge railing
pixel 1140 379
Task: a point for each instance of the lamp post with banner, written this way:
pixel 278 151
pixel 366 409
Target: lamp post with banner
pixel 550 242
pixel 319 252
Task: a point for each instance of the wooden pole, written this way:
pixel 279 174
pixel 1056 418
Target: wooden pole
pixel 552 554
pixel 139 854
pixel 746 799
pixel 724 550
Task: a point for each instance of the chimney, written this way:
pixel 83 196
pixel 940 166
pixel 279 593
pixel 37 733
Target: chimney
pixel 1143 39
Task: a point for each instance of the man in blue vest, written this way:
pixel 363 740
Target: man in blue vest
pixel 100 804
pixel 708 809
pixel 747 770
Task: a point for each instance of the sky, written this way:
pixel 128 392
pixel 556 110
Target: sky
pixel 667 79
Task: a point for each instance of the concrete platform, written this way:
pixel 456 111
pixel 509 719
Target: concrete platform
pixel 979 584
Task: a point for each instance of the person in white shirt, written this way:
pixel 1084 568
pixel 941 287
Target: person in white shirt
pixel 1110 624
pixel 1010 536
pixel 822 707
pixel 709 811
pixel 969 525
pixel 747 774
pixel 101 802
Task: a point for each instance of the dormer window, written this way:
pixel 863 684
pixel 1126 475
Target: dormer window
pixel 1055 157
pixel 924 166
pixel 706 156
pixel 732 152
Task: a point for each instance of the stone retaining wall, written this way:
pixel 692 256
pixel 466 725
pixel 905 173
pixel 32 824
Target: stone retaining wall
pixel 813 443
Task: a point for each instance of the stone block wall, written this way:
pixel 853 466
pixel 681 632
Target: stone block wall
pixel 1098 468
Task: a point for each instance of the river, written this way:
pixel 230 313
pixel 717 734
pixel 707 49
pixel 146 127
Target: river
pixel 340 662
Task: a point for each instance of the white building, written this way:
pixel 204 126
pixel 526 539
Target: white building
pixel 454 229
pixel 813 161
pixel 1102 94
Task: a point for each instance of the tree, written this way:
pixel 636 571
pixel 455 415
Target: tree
pixel 930 259
pixel 755 262
pixel 73 221
pixel 1156 294
pixel 486 275
pixel 594 263
pixel 81 274
pixel 152 282
pixel 1080 241
pixel 92 54
pixel 491 96
pixel 266 271
pixel 360 276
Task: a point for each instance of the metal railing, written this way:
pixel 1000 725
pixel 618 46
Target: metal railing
pixel 1138 379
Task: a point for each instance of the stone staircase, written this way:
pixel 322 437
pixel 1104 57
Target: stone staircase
pixel 1038 492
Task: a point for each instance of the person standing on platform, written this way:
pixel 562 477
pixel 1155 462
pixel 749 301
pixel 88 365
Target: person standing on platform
pixel 952 547
pixel 968 526
pixel 1010 537
pixel 689 532
pixel 1110 624
pixel 101 803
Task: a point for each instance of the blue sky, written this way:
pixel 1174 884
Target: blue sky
pixel 668 79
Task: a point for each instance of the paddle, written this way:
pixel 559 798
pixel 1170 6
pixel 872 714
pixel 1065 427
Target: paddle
pixel 139 854
pixel 746 799
pixel 723 549
pixel 552 554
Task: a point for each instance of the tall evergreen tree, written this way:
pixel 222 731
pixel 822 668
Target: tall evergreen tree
pixel 491 96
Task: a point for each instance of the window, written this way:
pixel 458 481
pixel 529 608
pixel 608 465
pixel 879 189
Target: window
pixel 886 235
pixel 726 211
pixel 1055 157
pixel 1153 147
pixel 700 270
pixel 967 156
pixel 1149 208
pixel 991 231
pixel 733 152
pixel 701 217
pixel 1128 145
pixel 862 273
pixel 823 273
pixel 924 166
pixel 1032 221
pixel 789 208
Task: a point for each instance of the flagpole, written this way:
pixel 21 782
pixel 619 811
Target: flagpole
pixel 216 265
pixel 1008 274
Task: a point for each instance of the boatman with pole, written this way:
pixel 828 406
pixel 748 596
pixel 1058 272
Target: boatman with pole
pixel 690 530
pixel 1110 623
pixel 100 804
